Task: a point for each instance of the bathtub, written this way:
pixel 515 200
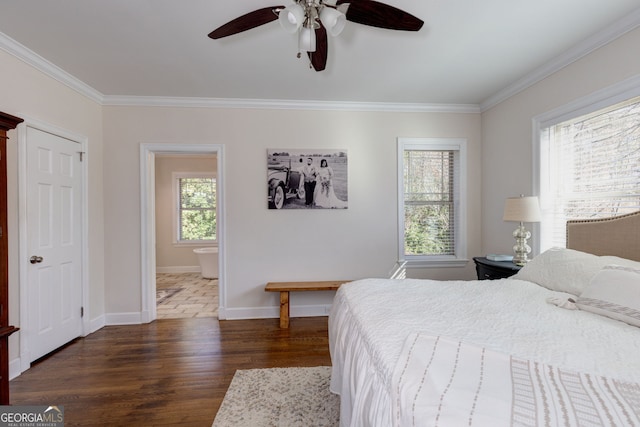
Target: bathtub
pixel 208 259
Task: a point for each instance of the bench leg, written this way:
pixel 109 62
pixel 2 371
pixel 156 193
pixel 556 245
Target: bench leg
pixel 284 309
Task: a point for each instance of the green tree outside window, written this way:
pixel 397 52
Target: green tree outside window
pixel 197 209
pixel 428 202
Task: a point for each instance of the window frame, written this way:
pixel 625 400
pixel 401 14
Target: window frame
pixel 175 177
pixel 459 147
pixel 599 100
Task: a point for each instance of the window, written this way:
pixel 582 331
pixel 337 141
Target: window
pixel 195 207
pixel 589 168
pixel 432 201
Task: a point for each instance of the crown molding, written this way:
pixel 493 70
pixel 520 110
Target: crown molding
pixel 585 47
pixel 610 95
pixel 275 104
pixel 25 54
pixel 48 68
pixel 612 32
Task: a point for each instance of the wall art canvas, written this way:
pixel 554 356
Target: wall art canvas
pixel 307 179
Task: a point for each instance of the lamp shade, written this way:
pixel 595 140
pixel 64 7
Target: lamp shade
pixel 522 209
pixel 291 18
pixel 333 20
pixel 307 39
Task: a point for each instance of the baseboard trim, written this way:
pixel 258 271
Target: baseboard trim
pixel 113 319
pixel 15 368
pixel 96 324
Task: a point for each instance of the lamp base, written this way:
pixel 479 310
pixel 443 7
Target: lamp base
pixel 521 249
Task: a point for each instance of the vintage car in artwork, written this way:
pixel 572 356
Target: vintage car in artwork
pixel 283 183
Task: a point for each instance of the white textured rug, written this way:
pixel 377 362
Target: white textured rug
pixel 283 397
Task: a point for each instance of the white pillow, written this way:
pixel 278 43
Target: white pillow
pixel 614 260
pixel 614 292
pixel 563 270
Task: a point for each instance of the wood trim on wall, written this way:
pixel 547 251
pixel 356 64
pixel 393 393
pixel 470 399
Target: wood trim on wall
pixel 7 122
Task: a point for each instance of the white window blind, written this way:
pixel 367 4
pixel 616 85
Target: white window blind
pixel 432 201
pixel 428 202
pixel 590 168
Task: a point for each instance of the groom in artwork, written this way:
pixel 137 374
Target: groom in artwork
pixel 310 174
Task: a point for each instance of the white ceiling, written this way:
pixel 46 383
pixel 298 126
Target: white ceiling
pixel 467 51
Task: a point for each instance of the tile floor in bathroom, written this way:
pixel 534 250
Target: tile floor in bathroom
pixel 181 295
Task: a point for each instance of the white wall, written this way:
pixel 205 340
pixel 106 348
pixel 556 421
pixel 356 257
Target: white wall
pixel 28 93
pixel 169 256
pixel 507 129
pixel 264 245
pixel 267 245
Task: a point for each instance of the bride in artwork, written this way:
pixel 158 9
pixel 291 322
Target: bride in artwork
pixel 324 195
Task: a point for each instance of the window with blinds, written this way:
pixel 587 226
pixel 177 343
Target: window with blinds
pixel 590 168
pixel 428 203
pixel 430 199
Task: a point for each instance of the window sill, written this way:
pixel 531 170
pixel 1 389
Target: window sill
pixel 444 262
pixel 200 243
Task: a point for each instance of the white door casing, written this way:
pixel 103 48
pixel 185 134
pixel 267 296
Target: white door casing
pixel 52 249
pixel 147 220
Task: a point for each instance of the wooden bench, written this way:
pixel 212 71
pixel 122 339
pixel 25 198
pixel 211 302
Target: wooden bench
pixel 285 287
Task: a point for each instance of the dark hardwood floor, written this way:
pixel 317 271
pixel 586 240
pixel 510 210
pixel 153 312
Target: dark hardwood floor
pixel 169 372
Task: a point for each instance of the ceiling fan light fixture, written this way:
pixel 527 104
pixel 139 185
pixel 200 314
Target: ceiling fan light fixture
pixel 291 18
pixel 314 20
pixel 307 39
pixel 333 20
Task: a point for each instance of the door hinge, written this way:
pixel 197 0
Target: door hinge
pixel 81 311
pixel 82 153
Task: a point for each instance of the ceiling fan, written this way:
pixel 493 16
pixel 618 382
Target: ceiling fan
pixel 312 19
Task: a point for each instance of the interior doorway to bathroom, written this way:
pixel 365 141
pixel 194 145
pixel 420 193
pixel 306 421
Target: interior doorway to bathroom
pixel 186 235
pixel 172 283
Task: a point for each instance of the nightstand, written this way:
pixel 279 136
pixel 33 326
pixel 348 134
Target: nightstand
pixel 491 270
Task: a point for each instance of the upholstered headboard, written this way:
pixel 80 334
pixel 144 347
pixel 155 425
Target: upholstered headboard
pixel 618 236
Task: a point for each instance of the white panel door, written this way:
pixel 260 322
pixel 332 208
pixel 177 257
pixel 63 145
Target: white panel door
pixel 54 233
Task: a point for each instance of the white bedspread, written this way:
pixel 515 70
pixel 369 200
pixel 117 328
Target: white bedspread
pixel 443 382
pixel 371 320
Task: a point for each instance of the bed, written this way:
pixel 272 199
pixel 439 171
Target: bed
pixel 556 344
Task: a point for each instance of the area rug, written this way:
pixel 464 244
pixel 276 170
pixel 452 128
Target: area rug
pixel 291 397
pixel 164 294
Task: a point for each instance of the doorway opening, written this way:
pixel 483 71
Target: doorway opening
pixel 186 236
pixel 172 283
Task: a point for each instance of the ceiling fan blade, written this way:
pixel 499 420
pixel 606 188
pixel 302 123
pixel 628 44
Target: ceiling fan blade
pixel 376 14
pixel 246 22
pixel 319 57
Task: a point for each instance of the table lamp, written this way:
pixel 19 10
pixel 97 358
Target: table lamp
pixel 521 209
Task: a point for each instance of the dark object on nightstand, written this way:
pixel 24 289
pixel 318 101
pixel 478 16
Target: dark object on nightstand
pixel 491 270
